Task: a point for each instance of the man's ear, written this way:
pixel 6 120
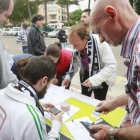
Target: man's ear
pixel 44 80
pixel 111 12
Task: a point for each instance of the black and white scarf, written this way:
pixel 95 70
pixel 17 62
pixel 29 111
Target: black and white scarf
pixel 28 89
pixel 93 59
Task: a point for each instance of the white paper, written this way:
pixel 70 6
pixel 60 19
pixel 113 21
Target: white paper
pixel 72 111
pixel 77 130
pixel 55 95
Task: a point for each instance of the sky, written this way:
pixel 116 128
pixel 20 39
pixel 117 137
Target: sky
pixel 83 5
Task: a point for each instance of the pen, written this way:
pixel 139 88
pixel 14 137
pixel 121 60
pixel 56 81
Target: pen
pixel 70 117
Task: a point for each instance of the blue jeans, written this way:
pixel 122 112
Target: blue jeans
pixel 63 45
pixel 25 49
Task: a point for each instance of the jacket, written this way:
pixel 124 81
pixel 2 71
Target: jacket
pixel 60 36
pixel 35 41
pixel 22 37
pixel 21 119
pixel 64 62
pixel 107 61
pixel 6 75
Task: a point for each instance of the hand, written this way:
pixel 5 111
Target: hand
pixel 55 82
pixel 46 106
pixel 57 117
pixel 64 37
pixel 103 132
pixel 87 83
pixel 65 82
pixel 106 106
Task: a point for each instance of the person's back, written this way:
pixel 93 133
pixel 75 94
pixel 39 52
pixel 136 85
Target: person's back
pixel 17 57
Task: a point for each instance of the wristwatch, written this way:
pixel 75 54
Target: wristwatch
pixel 112 133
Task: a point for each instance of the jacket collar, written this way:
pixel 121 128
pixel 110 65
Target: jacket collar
pixel 34 25
pixel 18 95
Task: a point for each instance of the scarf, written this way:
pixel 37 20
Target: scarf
pixel 28 89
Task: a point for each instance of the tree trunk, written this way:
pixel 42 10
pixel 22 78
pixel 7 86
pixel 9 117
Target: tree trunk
pixel 46 12
pixel 29 9
pixel 89 4
pixel 14 24
pixel 68 14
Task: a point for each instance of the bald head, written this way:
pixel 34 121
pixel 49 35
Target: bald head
pixel 116 16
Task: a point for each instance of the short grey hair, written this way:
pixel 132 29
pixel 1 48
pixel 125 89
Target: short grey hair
pixel 4 5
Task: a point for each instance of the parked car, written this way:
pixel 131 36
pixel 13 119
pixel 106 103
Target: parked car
pixel 16 30
pixel 45 30
pixel 7 31
pixel 67 30
pixel 53 33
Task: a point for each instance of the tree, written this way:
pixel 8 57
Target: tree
pixel 67 3
pixel 76 15
pixel 136 5
pixel 20 12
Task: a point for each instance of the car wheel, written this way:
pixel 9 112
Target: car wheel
pixel 5 33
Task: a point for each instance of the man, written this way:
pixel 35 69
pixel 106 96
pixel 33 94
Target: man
pixel 35 40
pixel 97 68
pixel 116 23
pixel 6 76
pixel 85 19
pixel 62 37
pixel 22 37
pixel 23 116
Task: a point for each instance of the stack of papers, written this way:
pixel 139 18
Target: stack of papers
pixel 73 110
pixel 77 130
pixel 55 95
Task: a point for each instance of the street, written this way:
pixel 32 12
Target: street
pixel 13 48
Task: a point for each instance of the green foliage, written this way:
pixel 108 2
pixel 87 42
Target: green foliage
pixel 136 5
pixel 20 12
pixel 71 23
pixel 76 15
pixel 67 2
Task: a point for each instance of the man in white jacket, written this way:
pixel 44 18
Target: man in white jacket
pixel 6 75
pixel 97 63
pixel 21 115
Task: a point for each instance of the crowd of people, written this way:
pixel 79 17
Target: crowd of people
pixel 29 77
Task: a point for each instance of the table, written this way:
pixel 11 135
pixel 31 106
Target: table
pixel 87 105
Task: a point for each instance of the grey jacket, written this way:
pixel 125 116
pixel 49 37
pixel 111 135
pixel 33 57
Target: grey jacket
pixel 6 75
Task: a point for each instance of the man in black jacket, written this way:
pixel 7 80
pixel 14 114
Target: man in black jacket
pixel 36 42
pixel 62 37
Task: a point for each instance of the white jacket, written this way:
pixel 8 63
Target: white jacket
pixel 20 119
pixel 108 66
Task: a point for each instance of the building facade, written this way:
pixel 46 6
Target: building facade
pixel 55 13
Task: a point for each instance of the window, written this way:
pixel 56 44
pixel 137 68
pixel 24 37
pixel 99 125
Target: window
pixel 52 9
pixel 39 10
pixel 53 17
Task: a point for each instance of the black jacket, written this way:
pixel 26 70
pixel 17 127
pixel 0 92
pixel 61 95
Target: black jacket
pixel 60 36
pixel 35 40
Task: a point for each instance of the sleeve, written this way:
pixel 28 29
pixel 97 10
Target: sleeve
pixel 6 75
pixel 60 36
pixel 19 38
pixel 35 43
pixel 74 65
pixel 109 65
pixel 32 126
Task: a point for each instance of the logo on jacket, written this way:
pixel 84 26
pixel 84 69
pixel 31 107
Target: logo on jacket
pixel 3 116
